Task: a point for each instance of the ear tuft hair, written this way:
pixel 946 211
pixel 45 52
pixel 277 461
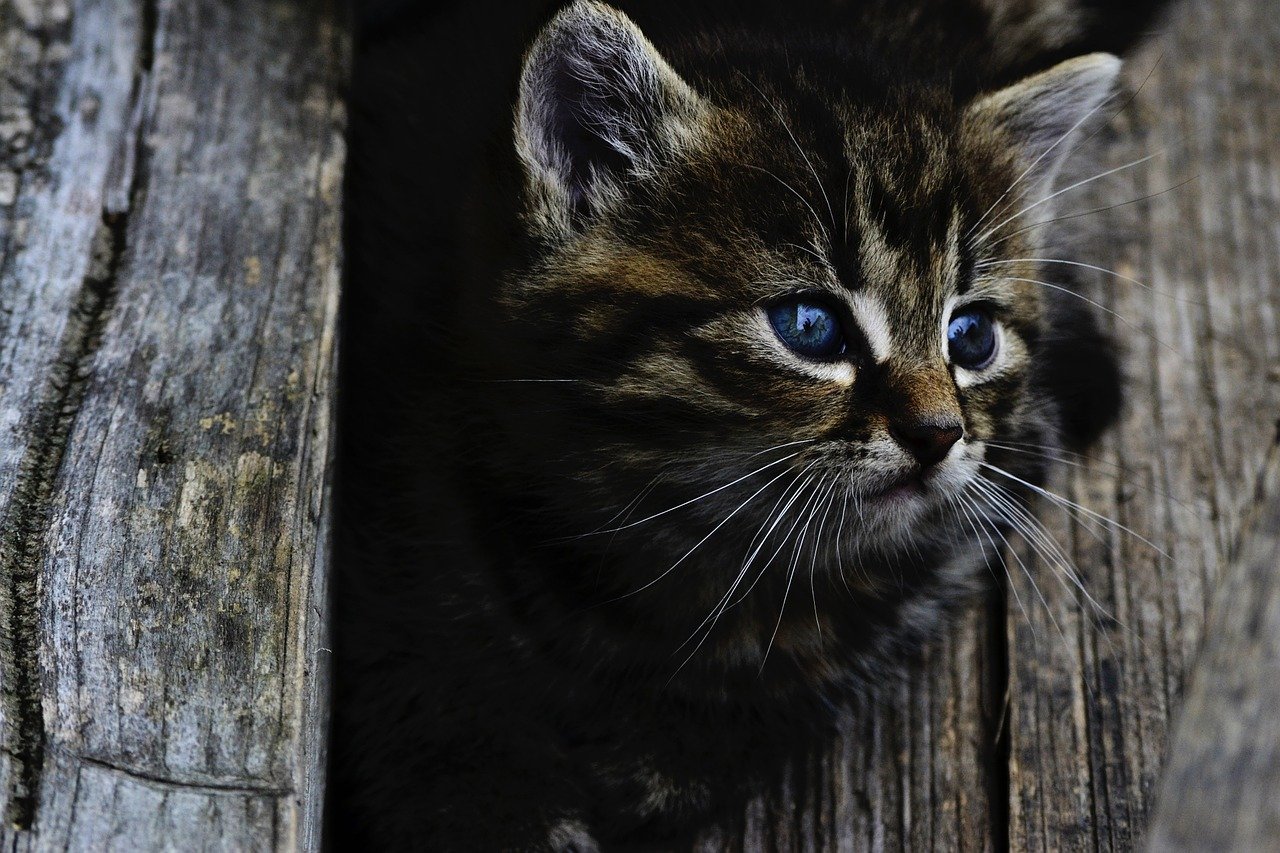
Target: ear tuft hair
pixel 597 103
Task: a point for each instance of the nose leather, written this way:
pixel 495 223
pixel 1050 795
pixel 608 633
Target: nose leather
pixel 928 438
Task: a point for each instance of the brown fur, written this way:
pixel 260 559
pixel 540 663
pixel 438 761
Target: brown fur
pixel 663 547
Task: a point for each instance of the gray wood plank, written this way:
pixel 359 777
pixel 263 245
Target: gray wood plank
pixel 66 102
pixel 1220 790
pixel 167 352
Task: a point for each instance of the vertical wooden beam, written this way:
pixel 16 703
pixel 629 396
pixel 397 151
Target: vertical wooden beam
pixel 169 285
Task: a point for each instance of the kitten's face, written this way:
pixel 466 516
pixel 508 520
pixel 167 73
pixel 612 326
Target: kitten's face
pixel 791 296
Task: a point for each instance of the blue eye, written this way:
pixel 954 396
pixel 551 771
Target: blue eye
pixel 807 328
pixel 971 339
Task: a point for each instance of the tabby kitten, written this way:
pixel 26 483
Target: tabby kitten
pixel 737 316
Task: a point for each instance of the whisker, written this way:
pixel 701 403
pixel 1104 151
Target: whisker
pixel 848 178
pixel 844 510
pixel 1101 125
pixel 1047 548
pixel 1034 532
pixel 1031 579
pixel 1044 222
pixel 1043 155
pixel 635 502
pixel 717 610
pixel 765 565
pixel 821 260
pixel 1058 456
pixel 683 504
pixel 1065 503
pixel 1027 209
pixel 974 517
pixel 1099 306
pixel 797 550
pixel 1113 273
pixel 700 542
pixel 829 499
pixel 782 120
pixel 817 219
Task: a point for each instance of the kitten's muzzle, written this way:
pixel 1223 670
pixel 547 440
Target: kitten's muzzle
pixel 928 439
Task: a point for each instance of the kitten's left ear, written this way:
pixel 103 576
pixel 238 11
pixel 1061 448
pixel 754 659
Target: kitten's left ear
pixel 1040 112
pixel 598 104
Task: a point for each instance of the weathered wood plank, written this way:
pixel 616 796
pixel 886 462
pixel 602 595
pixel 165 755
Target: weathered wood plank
pixel 66 101
pixel 1220 789
pixel 1092 692
pixel 167 366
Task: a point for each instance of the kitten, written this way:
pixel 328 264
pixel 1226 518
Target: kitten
pixel 713 345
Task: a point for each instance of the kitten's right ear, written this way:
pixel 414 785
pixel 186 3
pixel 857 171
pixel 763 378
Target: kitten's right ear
pixel 598 104
pixel 1037 114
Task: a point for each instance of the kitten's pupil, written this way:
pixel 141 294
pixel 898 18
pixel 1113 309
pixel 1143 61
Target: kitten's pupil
pixel 807 328
pixel 971 339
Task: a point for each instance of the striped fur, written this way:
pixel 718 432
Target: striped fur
pixel 662 549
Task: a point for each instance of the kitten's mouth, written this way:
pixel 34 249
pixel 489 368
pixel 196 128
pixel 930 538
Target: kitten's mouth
pixel 908 486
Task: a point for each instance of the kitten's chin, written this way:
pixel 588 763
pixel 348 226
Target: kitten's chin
pixel 892 511
pixel 895 510
pixel 902 491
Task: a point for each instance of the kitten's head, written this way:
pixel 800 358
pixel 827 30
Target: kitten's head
pixel 762 292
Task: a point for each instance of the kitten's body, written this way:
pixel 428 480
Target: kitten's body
pixel 582 444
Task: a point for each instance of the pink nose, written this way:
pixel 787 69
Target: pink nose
pixel 928 439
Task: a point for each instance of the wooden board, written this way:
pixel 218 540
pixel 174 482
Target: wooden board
pixel 1220 790
pixel 170 180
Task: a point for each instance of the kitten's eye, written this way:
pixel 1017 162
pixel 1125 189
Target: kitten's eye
pixel 971 339
pixel 808 328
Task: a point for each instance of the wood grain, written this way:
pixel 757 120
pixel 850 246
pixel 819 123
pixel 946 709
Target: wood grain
pixel 169 285
pixel 1219 791
pixel 1094 688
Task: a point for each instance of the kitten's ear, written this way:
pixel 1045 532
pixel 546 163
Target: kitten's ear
pixel 1041 111
pixel 597 104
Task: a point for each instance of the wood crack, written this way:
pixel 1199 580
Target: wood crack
pixel 154 779
pixel 22 539
pixel 996 733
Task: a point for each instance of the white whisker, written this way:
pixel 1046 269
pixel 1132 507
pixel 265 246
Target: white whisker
pixel 1027 209
pixel 975 519
pixel 703 496
pixel 1030 578
pixel 713 617
pixel 700 542
pixel 782 120
pixel 1097 305
pixel 1094 267
pixel 1044 222
pixel 1067 504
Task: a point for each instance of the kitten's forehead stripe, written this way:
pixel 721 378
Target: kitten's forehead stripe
pixel 873 321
